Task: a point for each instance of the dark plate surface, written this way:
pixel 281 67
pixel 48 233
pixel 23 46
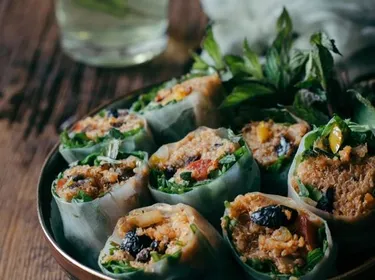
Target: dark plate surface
pixel 349 266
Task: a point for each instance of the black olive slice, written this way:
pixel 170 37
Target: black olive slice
pixel 274 216
pixel 133 243
pixel 325 203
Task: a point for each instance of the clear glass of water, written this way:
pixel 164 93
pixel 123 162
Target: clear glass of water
pixel 113 33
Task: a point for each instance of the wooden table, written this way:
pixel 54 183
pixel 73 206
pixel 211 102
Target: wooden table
pixel 40 89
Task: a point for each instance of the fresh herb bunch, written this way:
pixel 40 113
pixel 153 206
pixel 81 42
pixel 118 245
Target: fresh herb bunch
pixel 300 81
pixel 160 180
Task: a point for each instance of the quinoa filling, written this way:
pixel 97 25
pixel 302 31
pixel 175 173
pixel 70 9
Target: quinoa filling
pixel 273 238
pixel 147 237
pixel 273 143
pixel 108 123
pixel 337 171
pixel 83 183
pixel 195 160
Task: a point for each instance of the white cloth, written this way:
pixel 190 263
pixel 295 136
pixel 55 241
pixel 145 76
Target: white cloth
pixel 350 23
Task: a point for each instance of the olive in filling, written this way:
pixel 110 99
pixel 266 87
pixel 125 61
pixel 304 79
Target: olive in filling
pixel 139 246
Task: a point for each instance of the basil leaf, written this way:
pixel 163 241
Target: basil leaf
pixel 199 63
pixel 303 107
pixel 236 65
pixel 323 40
pixel 186 176
pixel 272 67
pixel 284 22
pixel 246 92
pixel 252 64
pixel 210 45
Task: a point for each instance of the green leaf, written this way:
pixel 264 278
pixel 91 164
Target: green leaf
pixel 278 165
pixel 115 133
pixel 75 140
pixel 199 63
pixel 252 64
pixel 210 45
pixel 284 22
pixel 82 197
pixel 304 107
pixel 246 92
pixel 155 256
pixel 323 40
pixel 303 191
pixel 310 191
pixel 236 65
pixel 119 267
pixel 314 257
pixel 272 66
pixel 186 176
pixel 228 159
pixel 89 160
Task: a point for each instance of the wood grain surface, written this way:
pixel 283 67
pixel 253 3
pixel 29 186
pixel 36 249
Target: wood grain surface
pixel 40 89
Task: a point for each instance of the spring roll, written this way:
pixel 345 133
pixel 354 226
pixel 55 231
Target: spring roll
pixel 93 134
pixel 333 175
pixel 92 194
pixel 165 242
pixel 274 238
pixel 174 111
pixel 274 145
pixel 203 170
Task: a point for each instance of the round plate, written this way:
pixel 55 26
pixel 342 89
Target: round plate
pixel 359 266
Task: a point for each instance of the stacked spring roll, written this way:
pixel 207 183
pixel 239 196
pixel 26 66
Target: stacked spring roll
pixel 274 238
pixel 203 170
pixel 165 242
pixel 274 145
pixel 92 194
pixel 94 134
pixel 175 110
pixel 333 175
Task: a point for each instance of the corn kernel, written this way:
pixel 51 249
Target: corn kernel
pixel 263 132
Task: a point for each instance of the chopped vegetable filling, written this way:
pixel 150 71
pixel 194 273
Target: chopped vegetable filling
pixel 200 156
pixel 114 123
pixel 84 182
pixel 270 141
pixel 273 238
pixel 148 237
pixel 337 169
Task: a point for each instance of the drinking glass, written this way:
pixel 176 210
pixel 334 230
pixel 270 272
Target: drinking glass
pixel 112 33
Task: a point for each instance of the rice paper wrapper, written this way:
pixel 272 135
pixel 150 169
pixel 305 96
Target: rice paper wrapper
pixel 87 225
pixel 208 199
pixel 172 122
pixel 352 235
pixel 142 141
pixel 321 271
pixel 204 257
